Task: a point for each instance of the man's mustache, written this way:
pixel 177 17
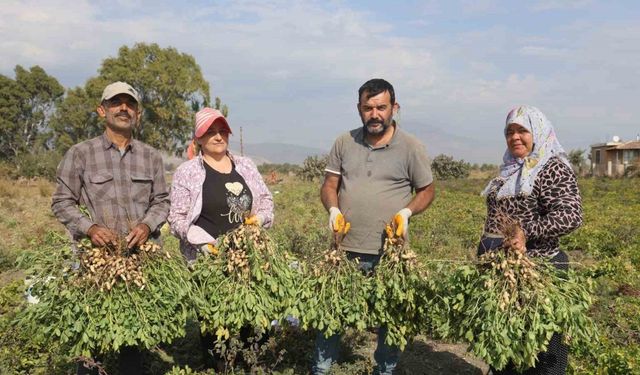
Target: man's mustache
pixel 374 121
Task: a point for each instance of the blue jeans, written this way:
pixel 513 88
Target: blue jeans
pixel 327 349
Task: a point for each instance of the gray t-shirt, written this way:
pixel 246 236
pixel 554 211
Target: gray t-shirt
pixel 376 183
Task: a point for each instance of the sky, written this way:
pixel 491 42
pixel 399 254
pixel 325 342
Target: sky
pixel 290 70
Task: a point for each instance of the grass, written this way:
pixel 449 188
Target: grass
pixel 608 244
pixel 25 216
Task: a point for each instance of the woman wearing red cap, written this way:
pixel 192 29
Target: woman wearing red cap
pixel 215 191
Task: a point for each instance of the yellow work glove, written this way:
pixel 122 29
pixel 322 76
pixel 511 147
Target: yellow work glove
pixel 401 222
pixel 254 220
pixel 335 218
pixel 209 249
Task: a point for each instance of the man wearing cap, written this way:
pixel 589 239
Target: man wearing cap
pixel 120 181
pixel 371 174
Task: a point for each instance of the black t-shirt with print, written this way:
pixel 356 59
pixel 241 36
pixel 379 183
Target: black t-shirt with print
pixel 225 199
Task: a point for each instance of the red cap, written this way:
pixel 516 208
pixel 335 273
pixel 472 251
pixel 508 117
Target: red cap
pixel 207 117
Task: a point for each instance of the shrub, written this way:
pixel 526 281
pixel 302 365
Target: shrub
pixel 632 171
pixel 576 158
pixel 313 167
pixel 41 163
pixel 279 168
pixel 489 167
pixel 445 168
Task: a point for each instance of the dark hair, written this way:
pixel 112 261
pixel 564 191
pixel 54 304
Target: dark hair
pixel 376 86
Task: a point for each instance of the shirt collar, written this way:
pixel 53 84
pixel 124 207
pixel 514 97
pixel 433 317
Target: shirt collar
pixel 392 141
pixel 200 157
pixel 106 143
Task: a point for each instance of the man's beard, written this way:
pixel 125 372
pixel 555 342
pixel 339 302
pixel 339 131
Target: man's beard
pixel 378 131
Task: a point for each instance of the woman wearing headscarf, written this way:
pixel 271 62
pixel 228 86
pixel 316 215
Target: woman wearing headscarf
pixel 537 188
pixel 215 192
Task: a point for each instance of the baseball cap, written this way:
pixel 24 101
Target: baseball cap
pixel 207 117
pixel 119 88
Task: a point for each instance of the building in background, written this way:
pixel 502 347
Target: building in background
pixel 615 158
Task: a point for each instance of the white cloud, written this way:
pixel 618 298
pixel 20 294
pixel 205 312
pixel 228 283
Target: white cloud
pixel 480 6
pixel 429 8
pixel 42 33
pixel 546 5
pixel 543 52
pixel 290 70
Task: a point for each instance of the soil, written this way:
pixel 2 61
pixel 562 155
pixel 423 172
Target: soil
pixel 425 356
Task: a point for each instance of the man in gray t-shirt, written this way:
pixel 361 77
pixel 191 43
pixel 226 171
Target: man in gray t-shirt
pixel 371 174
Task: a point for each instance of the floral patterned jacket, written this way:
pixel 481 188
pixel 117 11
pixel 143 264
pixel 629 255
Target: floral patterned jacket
pixel 186 201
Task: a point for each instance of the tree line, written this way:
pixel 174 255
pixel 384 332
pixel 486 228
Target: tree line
pixel 40 120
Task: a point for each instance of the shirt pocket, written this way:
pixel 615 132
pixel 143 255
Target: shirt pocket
pixel 141 186
pixel 101 185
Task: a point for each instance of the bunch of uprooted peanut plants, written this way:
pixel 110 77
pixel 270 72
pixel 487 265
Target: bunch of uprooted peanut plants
pixel 98 299
pixel 335 292
pixel 396 296
pixel 244 280
pixel 106 265
pixel 508 305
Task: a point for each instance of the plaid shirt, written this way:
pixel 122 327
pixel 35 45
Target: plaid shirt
pixel 120 190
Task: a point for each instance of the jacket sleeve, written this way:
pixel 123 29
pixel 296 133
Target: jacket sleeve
pixel 66 197
pixel 560 205
pixel 180 205
pixel 262 198
pixel 159 202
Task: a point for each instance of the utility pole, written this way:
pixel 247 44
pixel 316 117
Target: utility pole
pixel 241 143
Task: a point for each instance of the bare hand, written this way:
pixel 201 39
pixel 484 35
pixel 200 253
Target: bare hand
pixel 518 241
pixel 101 236
pixel 138 235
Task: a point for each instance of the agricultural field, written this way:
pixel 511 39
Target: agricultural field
pixel 606 247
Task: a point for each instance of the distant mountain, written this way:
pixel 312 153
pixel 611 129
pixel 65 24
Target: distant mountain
pixel 260 153
pixel 277 152
pixel 478 149
pixel 475 150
